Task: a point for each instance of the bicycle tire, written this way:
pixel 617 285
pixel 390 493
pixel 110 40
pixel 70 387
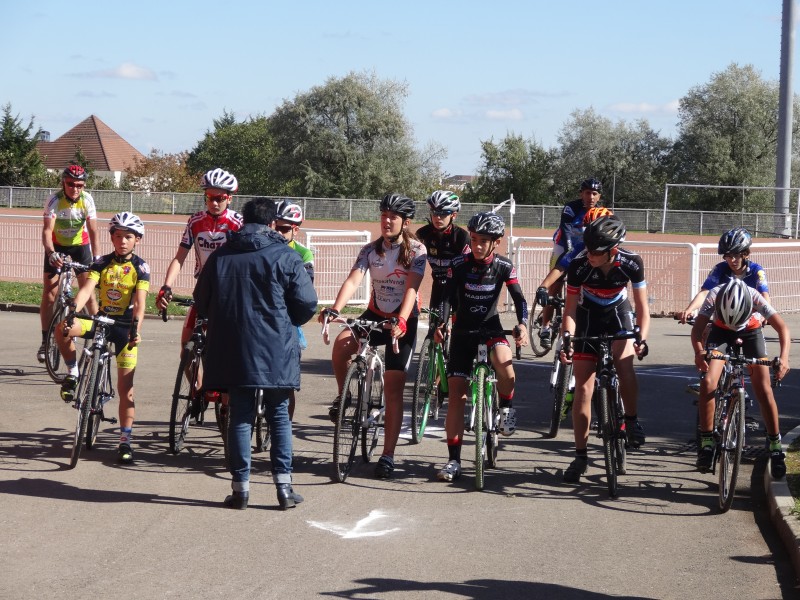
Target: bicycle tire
pixel 83 395
pixel 96 412
pixel 370 434
pixel 730 450
pixel 480 434
pixel 534 327
pixel 423 390
pixel 560 391
pixel 262 426
pixel 607 432
pixel 225 418
pixel 54 364
pixel 182 398
pixel 348 422
pixel 620 438
pixel 490 423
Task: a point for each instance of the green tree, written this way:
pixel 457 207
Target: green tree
pixel 159 172
pixel 727 135
pixel 349 138
pixel 512 166
pixel 245 149
pixel 20 162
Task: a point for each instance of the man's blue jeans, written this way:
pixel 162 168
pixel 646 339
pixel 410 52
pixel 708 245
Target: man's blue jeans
pixel 242 406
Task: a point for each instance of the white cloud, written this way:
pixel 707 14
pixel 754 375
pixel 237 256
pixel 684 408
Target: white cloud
pixel 123 71
pixel 445 113
pixel 646 108
pixel 513 114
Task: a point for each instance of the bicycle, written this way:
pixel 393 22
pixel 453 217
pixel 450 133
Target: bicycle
pixel 562 381
pixel 607 403
pixel 431 377
pixel 729 418
pixel 361 406
pixel 535 325
pixel 61 308
pixel 484 405
pixel 94 388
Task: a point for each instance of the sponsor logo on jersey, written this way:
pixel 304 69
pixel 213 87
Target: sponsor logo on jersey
pixel 478 287
pixel 114 295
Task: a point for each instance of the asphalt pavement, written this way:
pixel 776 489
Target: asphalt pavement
pixel 157 528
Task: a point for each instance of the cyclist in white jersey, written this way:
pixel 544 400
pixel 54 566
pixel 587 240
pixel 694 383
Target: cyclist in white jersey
pixel 396 264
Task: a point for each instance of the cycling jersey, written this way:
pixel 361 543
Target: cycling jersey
pixel 570 230
pixel 598 289
pixel 69 228
pixel 389 276
pixel 474 288
pixel 207 232
pixel 117 281
pixel 754 276
pixel 442 247
pixel 306 255
pixel 762 310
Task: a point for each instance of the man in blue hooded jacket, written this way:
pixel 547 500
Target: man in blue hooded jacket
pixel 255 291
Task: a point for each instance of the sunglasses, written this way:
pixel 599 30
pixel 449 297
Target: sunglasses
pixel 73 184
pixel 283 228
pixel 441 213
pixel 218 197
pixel 732 256
pixel 597 253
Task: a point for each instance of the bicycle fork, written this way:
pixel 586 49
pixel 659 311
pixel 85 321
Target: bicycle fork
pixel 372 415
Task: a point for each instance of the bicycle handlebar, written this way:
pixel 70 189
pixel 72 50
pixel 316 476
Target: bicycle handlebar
pixel 180 301
pixel 569 339
pixel 361 323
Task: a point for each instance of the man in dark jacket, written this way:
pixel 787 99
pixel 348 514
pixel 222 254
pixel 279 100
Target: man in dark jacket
pixel 255 291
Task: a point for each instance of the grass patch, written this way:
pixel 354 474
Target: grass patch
pixel 793 474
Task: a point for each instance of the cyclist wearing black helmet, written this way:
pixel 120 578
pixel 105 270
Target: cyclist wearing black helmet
pixel 596 303
pixel 474 284
pixel 70 229
pixel 396 264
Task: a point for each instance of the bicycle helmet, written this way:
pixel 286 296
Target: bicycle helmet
pixel 604 234
pixel 592 184
pixel 735 241
pixel 444 201
pixel 128 221
pixel 595 213
pixel 397 203
pixel 734 304
pixel 220 179
pixel 74 172
pixel 487 223
pixel 289 212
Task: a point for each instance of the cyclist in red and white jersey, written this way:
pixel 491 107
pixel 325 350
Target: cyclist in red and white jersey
pixel 396 264
pixel 206 231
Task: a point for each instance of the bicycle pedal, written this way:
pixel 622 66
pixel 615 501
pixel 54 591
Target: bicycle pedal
pixel 111 420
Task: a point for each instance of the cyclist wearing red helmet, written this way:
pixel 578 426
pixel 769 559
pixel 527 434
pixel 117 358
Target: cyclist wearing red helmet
pixel 70 229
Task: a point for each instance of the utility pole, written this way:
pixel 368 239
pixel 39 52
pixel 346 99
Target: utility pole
pixel 783 175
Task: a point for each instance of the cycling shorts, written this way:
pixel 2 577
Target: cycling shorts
pixel 598 320
pixel 118 336
pixel 558 250
pixel 464 347
pixel 753 343
pixel 81 254
pixel 392 361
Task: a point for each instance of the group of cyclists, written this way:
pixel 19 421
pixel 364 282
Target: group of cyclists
pixel 468 277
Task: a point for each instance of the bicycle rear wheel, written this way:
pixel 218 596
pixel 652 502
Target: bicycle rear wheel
pixel 262 425
pixel 480 428
pixel 620 439
pixel 52 357
pixel 730 451
pixel 606 417
pixel 348 422
pixel 560 391
pixel 490 423
pixel 101 390
pixel 424 390
pixel 534 327
pixel 371 433
pixel 83 399
pixel 183 396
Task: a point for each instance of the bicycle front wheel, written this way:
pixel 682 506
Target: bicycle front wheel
pixel 424 390
pixel 620 439
pixel 102 389
pixel 608 432
pixel 370 433
pixel 491 415
pixel 262 425
pixel 348 422
pixel 560 391
pixel 480 428
pixel 52 357
pixel 730 451
pixel 534 327
pixel 83 399
pixel 183 396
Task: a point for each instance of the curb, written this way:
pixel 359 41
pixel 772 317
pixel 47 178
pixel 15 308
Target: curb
pixel 781 503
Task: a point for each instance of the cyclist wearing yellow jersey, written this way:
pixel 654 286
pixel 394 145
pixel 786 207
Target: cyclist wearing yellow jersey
pixel 70 226
pixel 122 279
pixel 288 218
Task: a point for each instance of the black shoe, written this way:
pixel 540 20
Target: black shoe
pixel 41 353
pixel 68 389
pixel 546 339
pixel 384 468
pixel 287 497
pixel 237 500
pixel 575 469
pixel 125 454
pixel 705 459
pixel 333 411
pixel 635 433
pixel 777 464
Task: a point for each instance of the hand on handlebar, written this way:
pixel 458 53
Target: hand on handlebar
pixel 164 297
pixel 542 297
pixel 641 348
pixel 521 335
pixel 56 260
pixel 327 314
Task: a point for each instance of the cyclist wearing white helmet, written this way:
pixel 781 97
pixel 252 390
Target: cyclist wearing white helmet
pixel 288 218
pixel 736 312
pixel 122 279
pixel 70 226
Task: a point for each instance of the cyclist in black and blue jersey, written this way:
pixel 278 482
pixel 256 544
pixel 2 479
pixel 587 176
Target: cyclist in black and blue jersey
pixel 474 284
